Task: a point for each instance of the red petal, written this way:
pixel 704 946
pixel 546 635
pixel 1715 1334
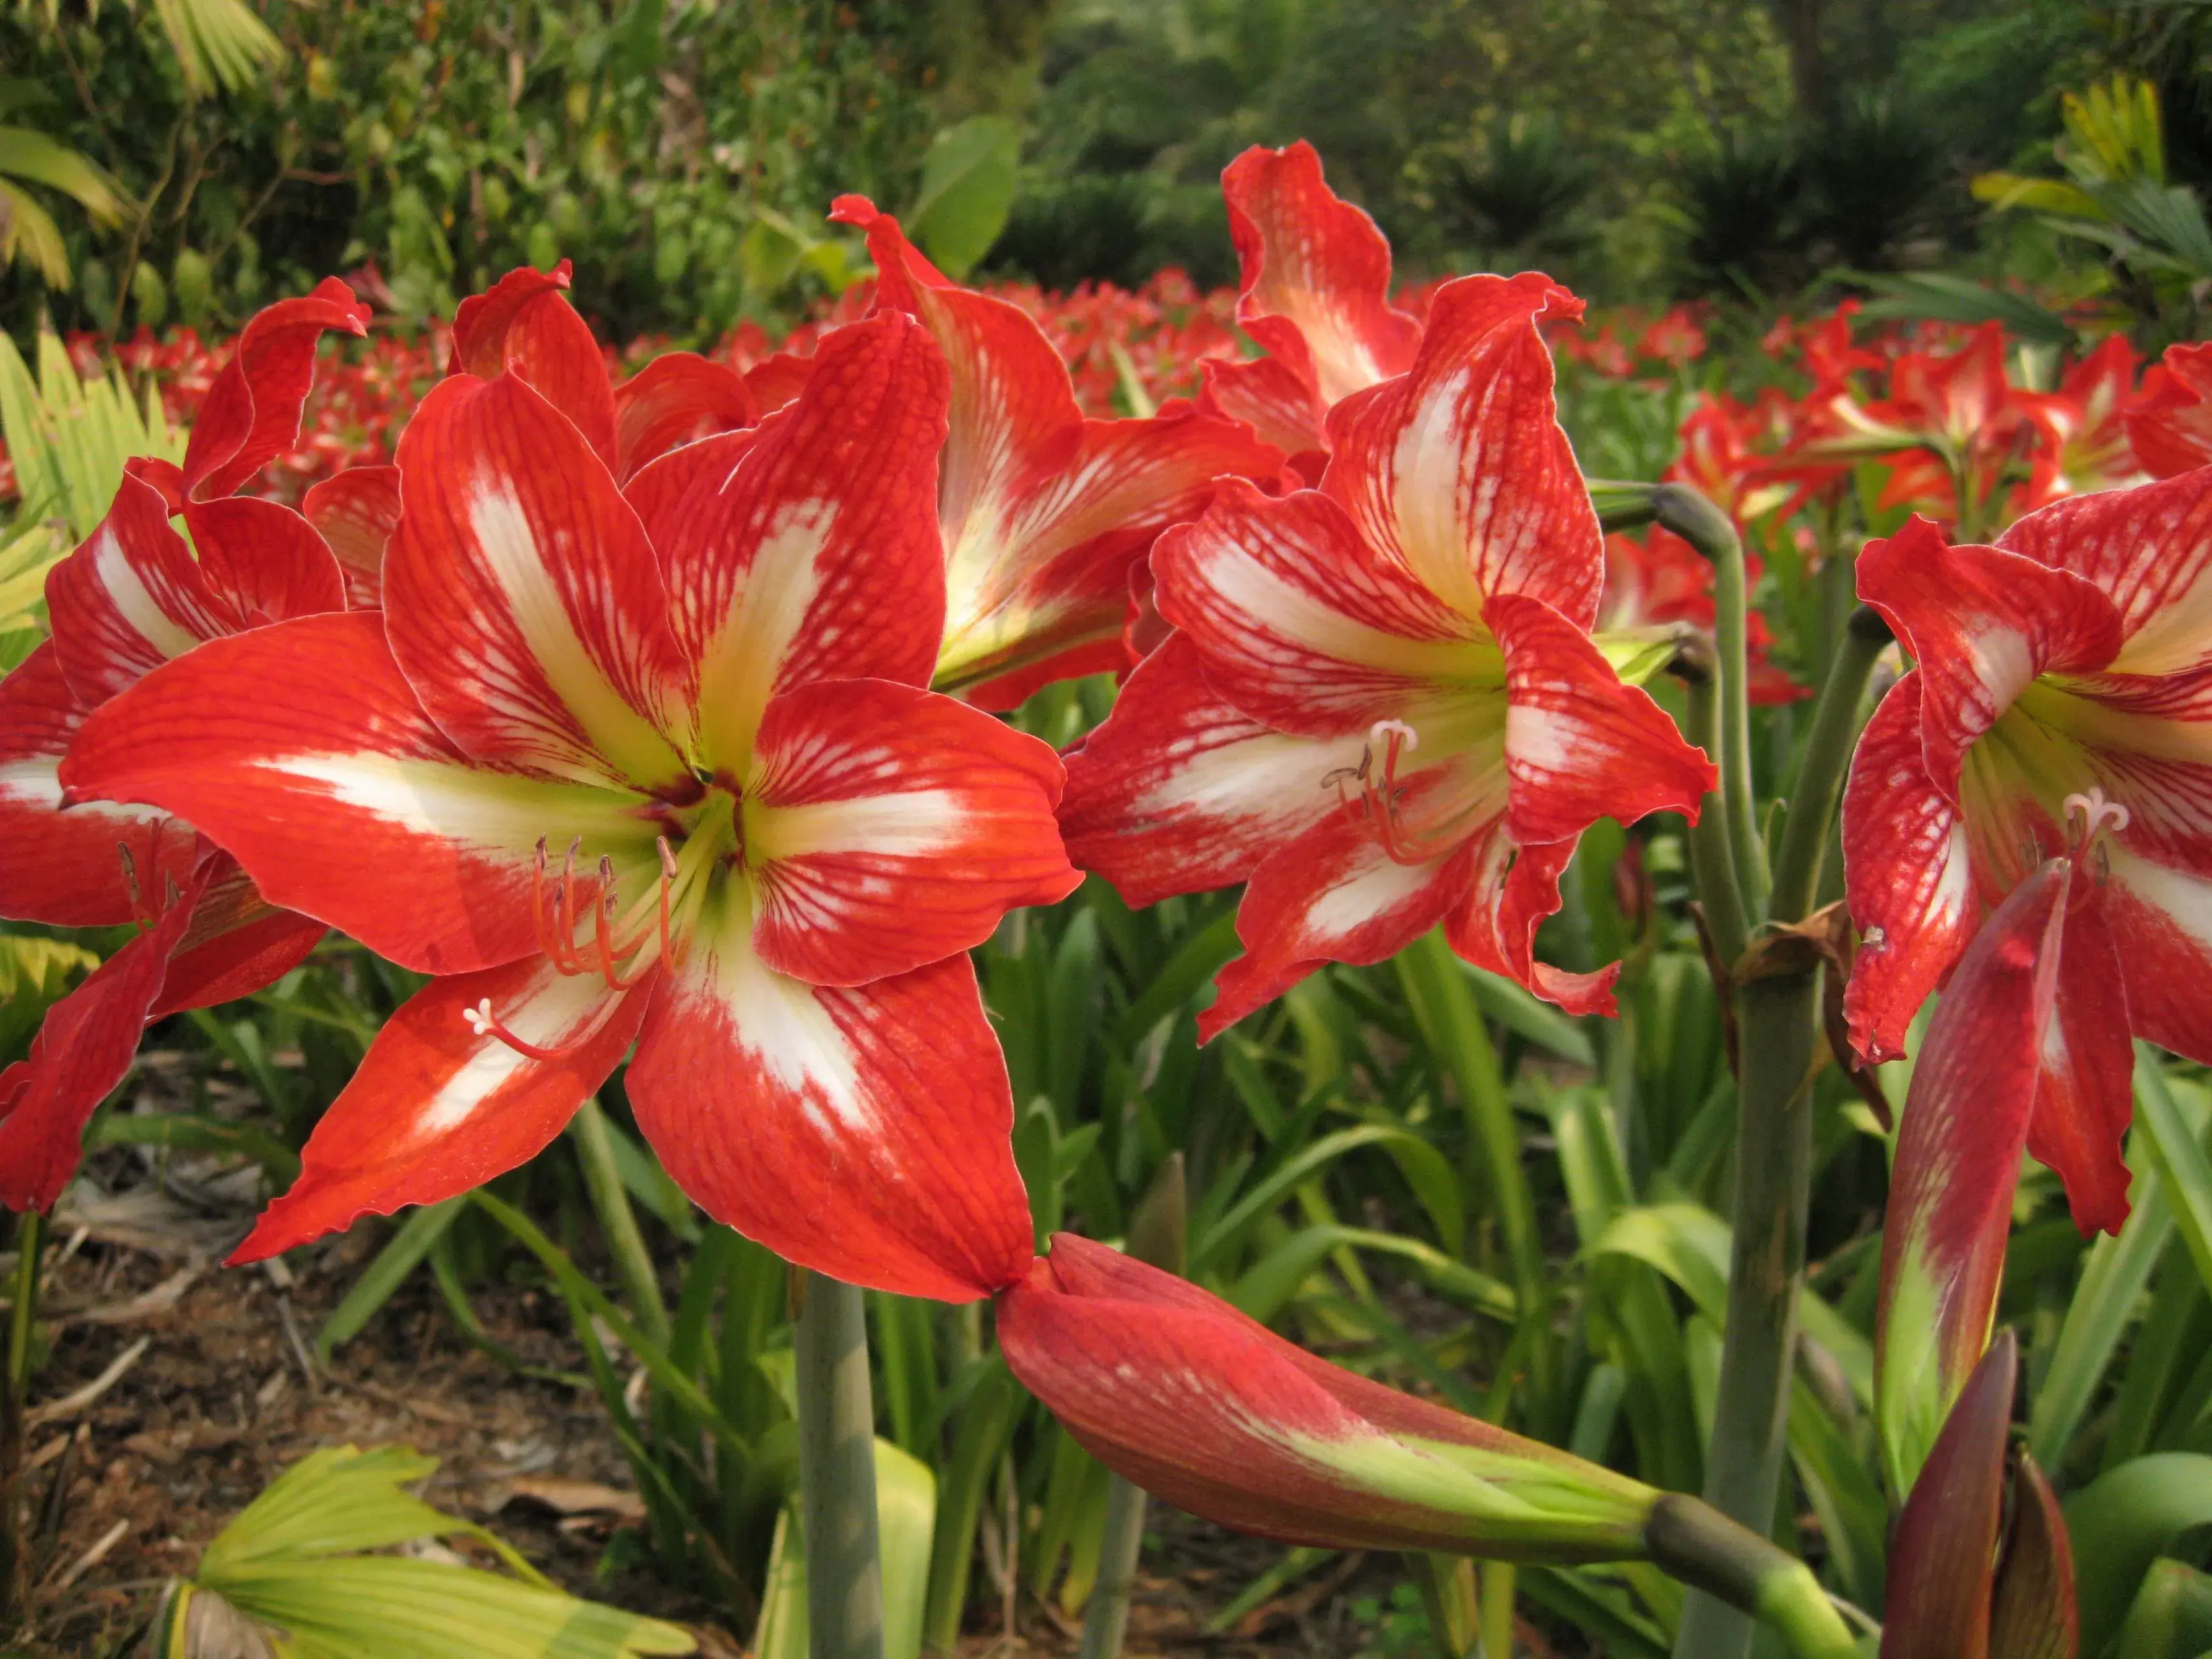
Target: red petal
pixel 2034 1615
pixel 436 1110
pixel 1958 1144
pixel 131 597
pixel 2171 425
pixel 2149 551
pixel 676 398
pixel 1178 791
pixel 1982 624
pixel 864 1132
pixel 1579 745
pixel 250 415
pixel 1315 274
pixel 265 559
pixel 302 751
pixel 522 598
pixel 2085 1096
pixel 1302 626
pixel 65 867
pixel 818 556
pixel 1333 894
pixel 1942 1562
pixel 1460 468
pixel 355 511
pixel 1267 394
pixel 80 1052
pixel 1516 889
pixel 523 323
pixel 778 380
pixel 888 827
pixel 1907 874
pixel 252 951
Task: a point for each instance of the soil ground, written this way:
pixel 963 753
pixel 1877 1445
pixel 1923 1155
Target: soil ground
pixel 220 1394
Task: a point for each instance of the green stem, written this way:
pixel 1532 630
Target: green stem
pixel 595 1151
pixel 1778 1018
pixel 15 1390
pixel 1107 1618
pixel 1732 1564
pixel 1712 872
pixel 1706 527
pixel 1496 1604
pixel 1820 774
pixel 837 1473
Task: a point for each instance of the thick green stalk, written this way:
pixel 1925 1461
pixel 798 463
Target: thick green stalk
pixel 1106 1619
pixel 595 1151
pixel 837 1473
pixel 1733 1565
pixel 1706 527
pixel 1778 1020
pixel 14 1387
pixel 1712 872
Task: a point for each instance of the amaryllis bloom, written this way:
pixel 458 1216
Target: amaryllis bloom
pixel 2170 423
pixel 2058 705
pixel 1046 515
pixel 1382 708
pixel 2082 429
pixel 1173 1390
pixel 133 596
pixel 655 764
pixel 1314 292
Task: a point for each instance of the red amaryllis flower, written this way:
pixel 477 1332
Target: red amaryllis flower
pixel 1178 1392
pixel 2082 429
pixel 1314 291
pixel 652 764
pixel 2170 422
pixel 1383 707
pixel 1045 514
pixel 130 598
pixel 2060 705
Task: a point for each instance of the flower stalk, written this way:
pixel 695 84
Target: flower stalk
pixel 837 1470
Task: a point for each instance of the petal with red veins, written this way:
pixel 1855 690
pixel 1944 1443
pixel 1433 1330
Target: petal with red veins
pixel 250 415
pixel 887 827
pixel 356 513
pixel 66 868
pixel 657 490
pixel 524 323
pixel 864 1132
pixel 1957 1161
pixel 253 949
pixel 677 399
pixel 1267 394
pixel 2085 1096
pixel 302 751
pixel 1983 624
pixel 1178 791
pixel 131 597
pixel 2149 550
pixel 1908 876
pixel 1315 274
pixel 816 555
pixel 267 562
pixel 1579 745
pixel 521 597
pixel 1515 890
pixel 777 380
pixel 1303 627
pixel 1459 468
pixel 80 1054
pixel 2169 425
pixel 437 1109
pixel 1336 894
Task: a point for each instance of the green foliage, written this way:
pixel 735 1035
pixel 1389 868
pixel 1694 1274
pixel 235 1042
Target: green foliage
pixel 295 1562
pixel 967 187
pixel 906 1520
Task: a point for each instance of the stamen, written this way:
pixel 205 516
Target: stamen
pixel 484 1023
pixel 554 933
pixel 605 929
pixel 1378 792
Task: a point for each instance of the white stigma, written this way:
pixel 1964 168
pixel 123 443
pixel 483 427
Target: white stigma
pixel 1398 729
pixel 2097 812
pixel 480 1017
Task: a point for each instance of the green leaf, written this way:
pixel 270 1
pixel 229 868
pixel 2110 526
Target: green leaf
pixel 2123 1521
pixel 967 191
pixel 34 975
pixel 2172 1618
pixel 386 1275
pixel 217 42
pixel 38 159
